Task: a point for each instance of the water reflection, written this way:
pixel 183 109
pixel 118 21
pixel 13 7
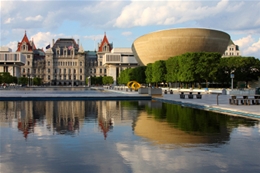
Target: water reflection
pixel 164 123
pixel 63 117
pixel 123 136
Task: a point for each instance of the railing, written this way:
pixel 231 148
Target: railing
pixel 242 92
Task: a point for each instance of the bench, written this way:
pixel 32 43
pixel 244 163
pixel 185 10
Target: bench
pixel 165 92
pixel 244 100
pixel 190 95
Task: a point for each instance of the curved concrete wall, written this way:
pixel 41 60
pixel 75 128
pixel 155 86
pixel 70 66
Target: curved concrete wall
pixel 164 44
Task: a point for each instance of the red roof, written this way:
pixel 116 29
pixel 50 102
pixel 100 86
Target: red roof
pixel 104 41
pixel 30 44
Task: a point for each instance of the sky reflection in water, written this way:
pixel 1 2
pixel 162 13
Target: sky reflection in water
pixel 124 136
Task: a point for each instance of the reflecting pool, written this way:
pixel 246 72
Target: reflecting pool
pixel 124 136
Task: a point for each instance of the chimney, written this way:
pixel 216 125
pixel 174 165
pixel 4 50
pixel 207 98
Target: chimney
pixel 52 42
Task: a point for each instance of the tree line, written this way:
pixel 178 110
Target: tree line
pixel 195 70
pixel 7 78
pixel 100 80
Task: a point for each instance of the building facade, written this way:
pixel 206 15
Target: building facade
pixel 232 50
pixel 34 59
pixel 65 62
pixel 11 62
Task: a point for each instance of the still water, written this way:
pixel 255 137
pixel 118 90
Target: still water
pixel 124 136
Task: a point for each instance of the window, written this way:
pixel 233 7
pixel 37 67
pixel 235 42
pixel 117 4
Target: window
pixel 74 77
pixel 74 70
pixel 49 63
pixel 105 70
pixel 23 70
pixel 49 77
pixel 100 63
pixel 49 70
pixel 64 77
pixel 28 70
pixel 64 71
pixel 28 62
pixel 100 70
pixel 28 56
pixel 80 63
pixel 80 70
pixel 80 77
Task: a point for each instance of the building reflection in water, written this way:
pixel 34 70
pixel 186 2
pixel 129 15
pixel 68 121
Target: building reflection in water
pixel 64 117
pixel 159 122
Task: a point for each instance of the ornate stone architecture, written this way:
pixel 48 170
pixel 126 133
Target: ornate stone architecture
pixel 65 63
pixel 164 44
pixel 232 50
pixel 35 59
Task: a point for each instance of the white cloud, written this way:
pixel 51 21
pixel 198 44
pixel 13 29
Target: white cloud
pixel 249 46
pixel 254 49
pixel 214 14
pixel 8 20
pixel 42 39
pixel 245 41
pixel 12 45
pixel 36 18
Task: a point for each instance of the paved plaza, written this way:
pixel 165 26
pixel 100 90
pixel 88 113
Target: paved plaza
pixel 210 102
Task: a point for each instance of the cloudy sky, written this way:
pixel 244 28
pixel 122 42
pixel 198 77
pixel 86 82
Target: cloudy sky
pixel 123 21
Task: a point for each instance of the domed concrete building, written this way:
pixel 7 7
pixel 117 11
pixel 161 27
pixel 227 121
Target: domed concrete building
pixel 161 45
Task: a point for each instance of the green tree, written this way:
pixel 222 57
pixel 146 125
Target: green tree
pixel 149 73
pixel 6 77
pixel 159 71
pixel 172 68
pixel 187 68
pixel 23 80
pixel 207 66
pixel 138 74
pixel 107 80
pixel 37 81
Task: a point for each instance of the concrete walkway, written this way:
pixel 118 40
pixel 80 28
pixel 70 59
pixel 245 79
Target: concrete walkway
pixel 209 102
pixel 213 102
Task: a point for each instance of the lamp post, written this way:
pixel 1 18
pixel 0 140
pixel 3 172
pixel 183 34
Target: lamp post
pixel 232 77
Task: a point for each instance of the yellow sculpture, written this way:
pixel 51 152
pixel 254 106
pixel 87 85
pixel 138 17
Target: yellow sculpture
pixel 133 85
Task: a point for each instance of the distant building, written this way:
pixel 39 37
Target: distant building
pixel 117 60
pixel 11 62
pixel 34 59
pixel 232 50
pixel 111 61
pixel 65 62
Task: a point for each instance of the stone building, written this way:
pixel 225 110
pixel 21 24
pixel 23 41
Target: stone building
pixel 11 62
pixel 65 63
pixel 232 50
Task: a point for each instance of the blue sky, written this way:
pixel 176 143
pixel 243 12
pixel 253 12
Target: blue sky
pixel 124 21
